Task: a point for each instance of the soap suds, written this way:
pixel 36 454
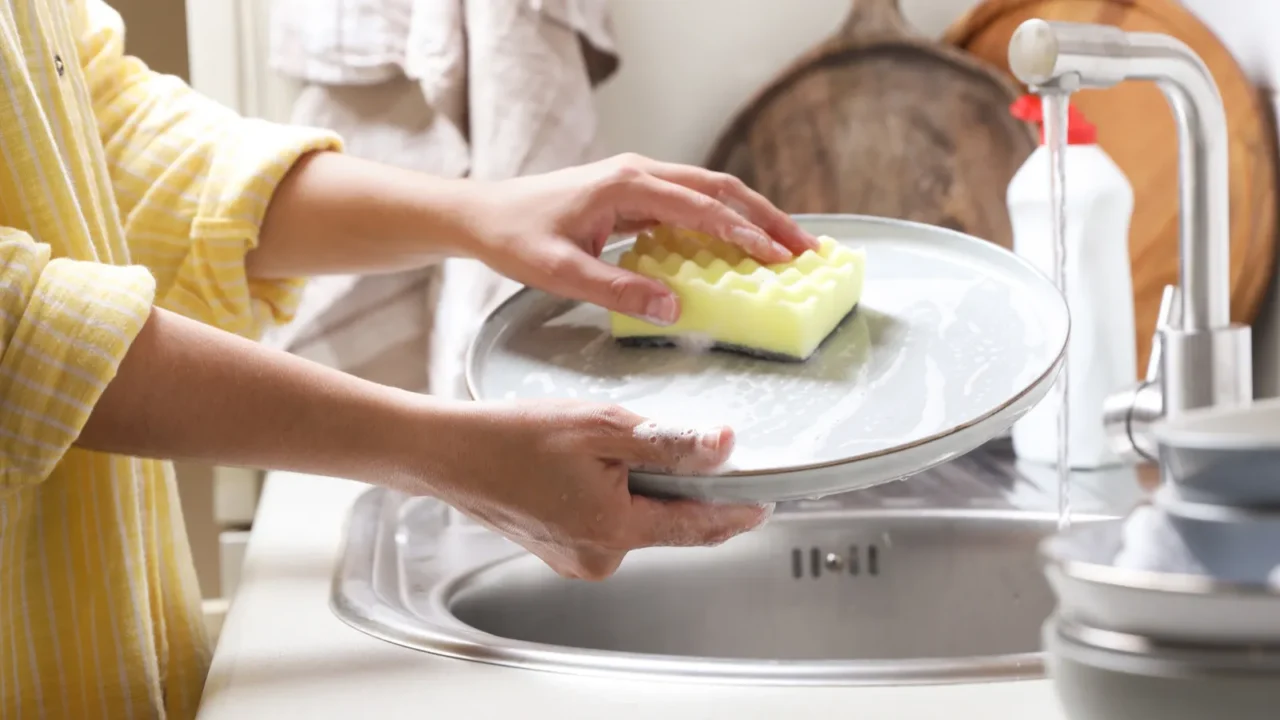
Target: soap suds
pixel 1151 543
pixel 689 457
pixel 653 432
pixel 542 379
pixel 693 342
pixel 685 532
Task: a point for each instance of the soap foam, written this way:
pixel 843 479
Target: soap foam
pixel 1151 543
pixel 694 342
pixel 688 532
pixel 688 454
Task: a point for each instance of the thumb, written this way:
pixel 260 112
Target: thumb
pixel 678 450
pixel 581 276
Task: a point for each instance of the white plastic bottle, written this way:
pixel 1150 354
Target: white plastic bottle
pixel 1102 355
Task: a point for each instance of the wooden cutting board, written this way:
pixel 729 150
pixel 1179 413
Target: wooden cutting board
pixel 1136 127
pixel 881 121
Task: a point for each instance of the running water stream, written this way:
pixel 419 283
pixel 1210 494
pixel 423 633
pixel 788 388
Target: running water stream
pixel 1055 131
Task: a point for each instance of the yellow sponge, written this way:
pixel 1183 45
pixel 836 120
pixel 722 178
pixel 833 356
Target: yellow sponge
pixel 782 311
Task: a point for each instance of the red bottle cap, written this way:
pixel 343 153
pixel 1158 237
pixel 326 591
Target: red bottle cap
pixel 1079 130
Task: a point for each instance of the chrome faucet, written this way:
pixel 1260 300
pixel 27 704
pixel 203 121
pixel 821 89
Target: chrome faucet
pixel 1199 358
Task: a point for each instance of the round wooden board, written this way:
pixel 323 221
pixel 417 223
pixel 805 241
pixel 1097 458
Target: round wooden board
pixel 1136 127
pixel 879 120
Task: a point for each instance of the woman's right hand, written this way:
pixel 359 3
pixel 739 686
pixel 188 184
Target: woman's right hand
pixel 552 476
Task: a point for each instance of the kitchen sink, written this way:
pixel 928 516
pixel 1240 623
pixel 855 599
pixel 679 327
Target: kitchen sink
pixel 876 585
pixel 873 588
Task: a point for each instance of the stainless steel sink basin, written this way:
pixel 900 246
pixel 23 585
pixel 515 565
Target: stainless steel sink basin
pixel 877 585
pixel 863 590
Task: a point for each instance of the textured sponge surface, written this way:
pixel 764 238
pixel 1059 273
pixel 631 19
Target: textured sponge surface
pixel 784 310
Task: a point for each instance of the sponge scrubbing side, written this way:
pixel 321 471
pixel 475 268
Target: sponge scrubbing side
pixel 780 311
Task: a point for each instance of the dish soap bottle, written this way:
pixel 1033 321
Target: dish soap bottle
pixel 1102 353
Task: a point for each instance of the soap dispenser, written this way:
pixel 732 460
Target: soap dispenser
pixel 1102 352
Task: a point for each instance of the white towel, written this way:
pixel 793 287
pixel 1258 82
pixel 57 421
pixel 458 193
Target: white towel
pixel 489 89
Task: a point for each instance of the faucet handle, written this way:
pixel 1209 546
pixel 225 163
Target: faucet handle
pixel 1168 317
pixel 1128 414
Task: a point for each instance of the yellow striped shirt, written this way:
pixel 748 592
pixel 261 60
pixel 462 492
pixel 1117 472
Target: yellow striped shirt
pixel 119 188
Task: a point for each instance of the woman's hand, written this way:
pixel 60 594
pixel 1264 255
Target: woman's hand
pixel 548 230
pixel 338 214
pixel 552 476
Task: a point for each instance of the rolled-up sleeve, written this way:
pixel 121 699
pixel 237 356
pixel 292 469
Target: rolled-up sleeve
pixel 192 181
pixel 64 328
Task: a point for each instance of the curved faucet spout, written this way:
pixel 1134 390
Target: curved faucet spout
pixel 1204 360
pixel 1073 56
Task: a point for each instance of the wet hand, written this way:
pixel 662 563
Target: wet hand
pixel 548 230
pixel 552 476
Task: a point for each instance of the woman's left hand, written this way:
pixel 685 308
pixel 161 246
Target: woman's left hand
pixel 548 230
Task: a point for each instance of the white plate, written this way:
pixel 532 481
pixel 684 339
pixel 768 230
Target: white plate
pixel 954 339
pixel 1224 455
pixel 1168 595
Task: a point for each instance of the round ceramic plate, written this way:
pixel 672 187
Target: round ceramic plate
pixel 953 340
pixel 1143 575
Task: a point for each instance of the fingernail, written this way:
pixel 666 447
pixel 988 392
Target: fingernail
pixel 661 310
pixel 759 244
pixel 711 439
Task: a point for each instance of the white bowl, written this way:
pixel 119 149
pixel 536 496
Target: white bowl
pixel 1160 589
pixel 1229 544
pixel 1227 456
pixel 1099 675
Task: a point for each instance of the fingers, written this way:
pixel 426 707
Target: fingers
pixel 621 435
pixel 579 276
pixel 654 523
pixel 682 451
pixel 679 450
pixel 735 195
pixel 646 192
pixel 688 523
pixel 641 196
pixel 590 536
pixel 577 563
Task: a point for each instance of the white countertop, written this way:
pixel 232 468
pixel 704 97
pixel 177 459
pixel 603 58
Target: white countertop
pixel 283 651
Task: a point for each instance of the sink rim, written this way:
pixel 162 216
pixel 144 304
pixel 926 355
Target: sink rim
pixel 358 603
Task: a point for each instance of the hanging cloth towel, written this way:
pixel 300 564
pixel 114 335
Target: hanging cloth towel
pixel 487 89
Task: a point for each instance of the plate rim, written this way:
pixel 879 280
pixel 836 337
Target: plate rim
pixel 1054 365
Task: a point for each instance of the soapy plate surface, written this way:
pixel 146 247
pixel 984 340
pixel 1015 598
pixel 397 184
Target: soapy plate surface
pixel 954 338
